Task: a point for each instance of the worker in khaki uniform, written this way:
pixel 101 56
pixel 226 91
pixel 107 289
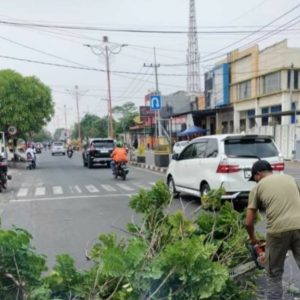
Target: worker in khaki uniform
pixel 278 195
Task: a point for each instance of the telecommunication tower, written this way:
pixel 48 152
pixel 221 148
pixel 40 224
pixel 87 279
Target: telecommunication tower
pixel 193 57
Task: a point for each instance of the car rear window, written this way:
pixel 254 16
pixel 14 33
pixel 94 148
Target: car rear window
pixel 58 144
pixel 260 147
pixel 103 144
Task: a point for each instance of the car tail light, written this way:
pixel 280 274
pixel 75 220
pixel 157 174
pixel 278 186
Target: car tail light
pixel 227 168
pixel 279 166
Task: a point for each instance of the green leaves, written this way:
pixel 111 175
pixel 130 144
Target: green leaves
pixel 167 257
pixel 25 102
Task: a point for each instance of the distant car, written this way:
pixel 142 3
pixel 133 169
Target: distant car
pixel 178 146
pixel 98 151
pixel 58 148
pixel 210 162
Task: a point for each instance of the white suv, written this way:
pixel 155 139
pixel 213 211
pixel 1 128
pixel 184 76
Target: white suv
pixel 58 148
pixel 210 162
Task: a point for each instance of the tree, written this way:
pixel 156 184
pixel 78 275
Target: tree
pixel 91 126
pixel 127 113
pixel 42 135
pixel 25 102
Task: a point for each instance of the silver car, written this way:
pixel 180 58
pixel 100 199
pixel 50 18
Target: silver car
pixel 58 148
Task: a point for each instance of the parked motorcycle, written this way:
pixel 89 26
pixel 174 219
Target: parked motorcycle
pixel 121 170
pixel 3 173
pixel 69 153
pixel 31 164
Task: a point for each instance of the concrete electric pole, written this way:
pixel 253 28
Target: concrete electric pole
pixel 107 49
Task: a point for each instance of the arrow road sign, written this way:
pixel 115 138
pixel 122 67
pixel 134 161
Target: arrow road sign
pixel 155 102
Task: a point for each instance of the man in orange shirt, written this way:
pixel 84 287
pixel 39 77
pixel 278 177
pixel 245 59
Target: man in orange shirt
pixel 118 155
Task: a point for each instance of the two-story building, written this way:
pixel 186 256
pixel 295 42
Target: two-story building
pixel 260 90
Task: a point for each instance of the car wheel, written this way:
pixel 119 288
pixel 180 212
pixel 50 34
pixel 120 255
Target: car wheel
pixel 84 163
pixel 108 164
pixel 172 188
pixel 205 188
pixel 90 163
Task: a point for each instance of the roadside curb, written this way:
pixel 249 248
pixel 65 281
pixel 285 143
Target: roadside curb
pixel 149 167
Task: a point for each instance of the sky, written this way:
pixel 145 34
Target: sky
pixel 22 46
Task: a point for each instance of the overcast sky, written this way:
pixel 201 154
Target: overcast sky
pixel 65 46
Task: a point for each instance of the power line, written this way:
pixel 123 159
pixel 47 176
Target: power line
pixel 256 31
pixel 127 30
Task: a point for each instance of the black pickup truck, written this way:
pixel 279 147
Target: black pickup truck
pixel 98 151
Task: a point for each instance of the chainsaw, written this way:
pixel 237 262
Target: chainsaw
pixel 257 259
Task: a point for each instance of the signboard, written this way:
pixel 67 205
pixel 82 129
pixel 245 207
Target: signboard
pixel 145 111
pixel 12 130
pixel 155 102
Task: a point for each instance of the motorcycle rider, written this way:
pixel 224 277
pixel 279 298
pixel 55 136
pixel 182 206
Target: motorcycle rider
pixel 70 150
pixel 30 153
pixel 118 155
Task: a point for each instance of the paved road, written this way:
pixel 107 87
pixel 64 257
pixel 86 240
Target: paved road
pixel 66 206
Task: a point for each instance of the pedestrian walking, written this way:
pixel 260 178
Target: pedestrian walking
pixel 278 195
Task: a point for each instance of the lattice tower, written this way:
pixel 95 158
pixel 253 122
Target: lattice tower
pixel 193 57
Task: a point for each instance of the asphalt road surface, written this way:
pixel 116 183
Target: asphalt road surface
pixel 65 206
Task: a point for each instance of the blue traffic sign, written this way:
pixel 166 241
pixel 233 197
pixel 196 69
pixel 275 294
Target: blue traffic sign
pixel 155 102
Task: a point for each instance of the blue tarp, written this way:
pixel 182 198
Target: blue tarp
pixel 192 130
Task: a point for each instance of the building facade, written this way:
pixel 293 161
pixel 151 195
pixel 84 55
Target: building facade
pixel 264 87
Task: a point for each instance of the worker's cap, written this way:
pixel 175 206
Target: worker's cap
pixel 259 166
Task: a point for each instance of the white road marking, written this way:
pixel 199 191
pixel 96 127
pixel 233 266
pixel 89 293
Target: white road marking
pixel 141 186
pixel 124 187
pixel 92 188
pixel 108 188
pixel 70 197
pixel 40 191
pixel 57 190
pixel 77 188
pixel 22 192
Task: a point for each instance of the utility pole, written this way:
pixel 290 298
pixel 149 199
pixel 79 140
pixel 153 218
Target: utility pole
pixel 65 112
pixel 157 113
pixel 107 49
pixel 78 115
pixel 76 93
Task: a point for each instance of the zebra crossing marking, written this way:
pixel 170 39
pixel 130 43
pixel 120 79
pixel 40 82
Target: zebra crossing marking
pixel 108 188
pixel 140 185
pixel 92 188
pixel 22 192
pixel 57 190
pixel 124 187
pixel 40 191
pixel 77 188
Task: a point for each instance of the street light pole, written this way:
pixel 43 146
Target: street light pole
pixel 78 115
pixel 106 49
pixel 157 113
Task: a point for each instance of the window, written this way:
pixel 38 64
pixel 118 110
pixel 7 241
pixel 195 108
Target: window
pixel 293 117
pixel 103 144
pixel 244 90
pixel 260 147
pixel 265 120
pixel 271 83
pixel 200 148
pixel 276 119
pixel 212 148
pixel 295 81
pixel 187 153
pixel 251 114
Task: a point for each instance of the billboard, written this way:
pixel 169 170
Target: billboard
pixel 146 111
